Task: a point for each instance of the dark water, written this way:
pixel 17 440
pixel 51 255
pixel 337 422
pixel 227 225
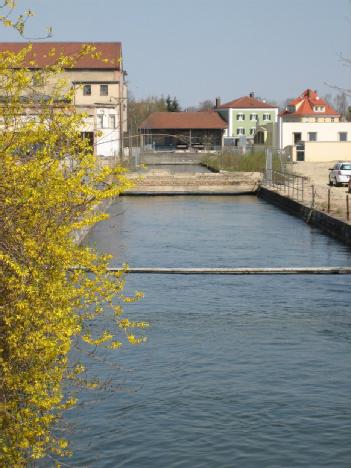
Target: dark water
pixel 237 371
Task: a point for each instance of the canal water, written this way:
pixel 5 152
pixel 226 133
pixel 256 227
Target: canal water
pixel 237 371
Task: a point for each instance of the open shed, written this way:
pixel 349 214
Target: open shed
pixel 172 131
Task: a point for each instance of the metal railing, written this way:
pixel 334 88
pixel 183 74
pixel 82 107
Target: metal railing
pixel 292 185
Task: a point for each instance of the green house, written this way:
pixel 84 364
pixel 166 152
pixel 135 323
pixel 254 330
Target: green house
pixel 244 116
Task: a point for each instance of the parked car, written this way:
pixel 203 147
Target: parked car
pixel 340 174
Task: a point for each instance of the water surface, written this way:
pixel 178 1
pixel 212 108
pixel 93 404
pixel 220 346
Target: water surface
pixel 238 371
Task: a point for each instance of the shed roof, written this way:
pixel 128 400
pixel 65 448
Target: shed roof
pixel 111 53
pixel 184 120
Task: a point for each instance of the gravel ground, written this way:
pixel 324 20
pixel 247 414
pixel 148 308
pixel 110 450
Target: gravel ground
pixel 317 174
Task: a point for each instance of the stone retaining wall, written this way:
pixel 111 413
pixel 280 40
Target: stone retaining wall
pixel 80 234
pixel 198 182
pixel 328 224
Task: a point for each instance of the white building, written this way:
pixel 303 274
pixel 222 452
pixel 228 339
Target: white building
pixel 313 130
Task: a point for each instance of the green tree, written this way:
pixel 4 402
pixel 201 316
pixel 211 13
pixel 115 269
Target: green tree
pixel 172 104
pixel 205 105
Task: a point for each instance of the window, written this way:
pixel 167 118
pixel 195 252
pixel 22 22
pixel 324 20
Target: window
pixel 87 90
pixel 100 121
pixel 240 131
pixel 319 108
pixel 112 121
pixel 312 136
pixel 297 137
pixel 342 136
pixel 254 117
pixel 104 90
pixel 252 130
pixel 240 116
pixel 266 116
pixel 88 136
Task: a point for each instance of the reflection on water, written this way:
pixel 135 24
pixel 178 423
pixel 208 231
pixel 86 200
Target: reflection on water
pixel 217 231
pixel 238 371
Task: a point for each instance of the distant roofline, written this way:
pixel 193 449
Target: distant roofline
pixel 183 121
pixel 110 50
pixel 246 102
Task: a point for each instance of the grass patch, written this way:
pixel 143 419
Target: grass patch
pixel 249 162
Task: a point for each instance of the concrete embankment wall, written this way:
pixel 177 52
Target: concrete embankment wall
pixel 198 183
pixel 80 234
pixel 170 158
pixel 328 224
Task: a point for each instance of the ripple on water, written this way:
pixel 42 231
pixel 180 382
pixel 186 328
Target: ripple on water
pixel 238 371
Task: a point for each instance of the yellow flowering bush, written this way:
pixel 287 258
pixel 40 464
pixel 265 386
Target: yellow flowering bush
pixel 51 288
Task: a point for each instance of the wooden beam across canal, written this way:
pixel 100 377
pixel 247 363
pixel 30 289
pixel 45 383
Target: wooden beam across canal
pixel 239 271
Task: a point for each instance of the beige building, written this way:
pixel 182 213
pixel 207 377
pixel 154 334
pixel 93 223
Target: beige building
pixel 324 151
pixel 99 86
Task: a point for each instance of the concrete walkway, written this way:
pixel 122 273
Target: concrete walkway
pixel 162 182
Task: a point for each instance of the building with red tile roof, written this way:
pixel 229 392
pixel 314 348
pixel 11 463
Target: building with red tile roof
pixel 309 107
pixel 98 79
pixel 184 120
pixel 183 130
pixel 246 102
pixel 310 129
pixel 244 115
pixel 46 53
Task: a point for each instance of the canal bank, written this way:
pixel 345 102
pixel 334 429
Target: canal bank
pixel 330 225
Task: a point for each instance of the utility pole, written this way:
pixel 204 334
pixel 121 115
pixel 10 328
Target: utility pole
pixel 120 102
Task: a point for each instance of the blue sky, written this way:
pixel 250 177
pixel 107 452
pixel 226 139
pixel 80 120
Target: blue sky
pixel 200 49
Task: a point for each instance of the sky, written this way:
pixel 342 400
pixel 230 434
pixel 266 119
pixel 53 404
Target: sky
pixel 203 49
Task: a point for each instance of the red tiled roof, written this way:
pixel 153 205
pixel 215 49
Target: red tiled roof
pixel 111 51
pixel 246 102
pixel 183 120
pixel 305 105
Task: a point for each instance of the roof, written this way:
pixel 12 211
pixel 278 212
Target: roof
pixel 183 120
pixel 304 105
pixel 111 51
pixel 246 102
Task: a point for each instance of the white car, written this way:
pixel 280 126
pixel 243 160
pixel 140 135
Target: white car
pixel 340 173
